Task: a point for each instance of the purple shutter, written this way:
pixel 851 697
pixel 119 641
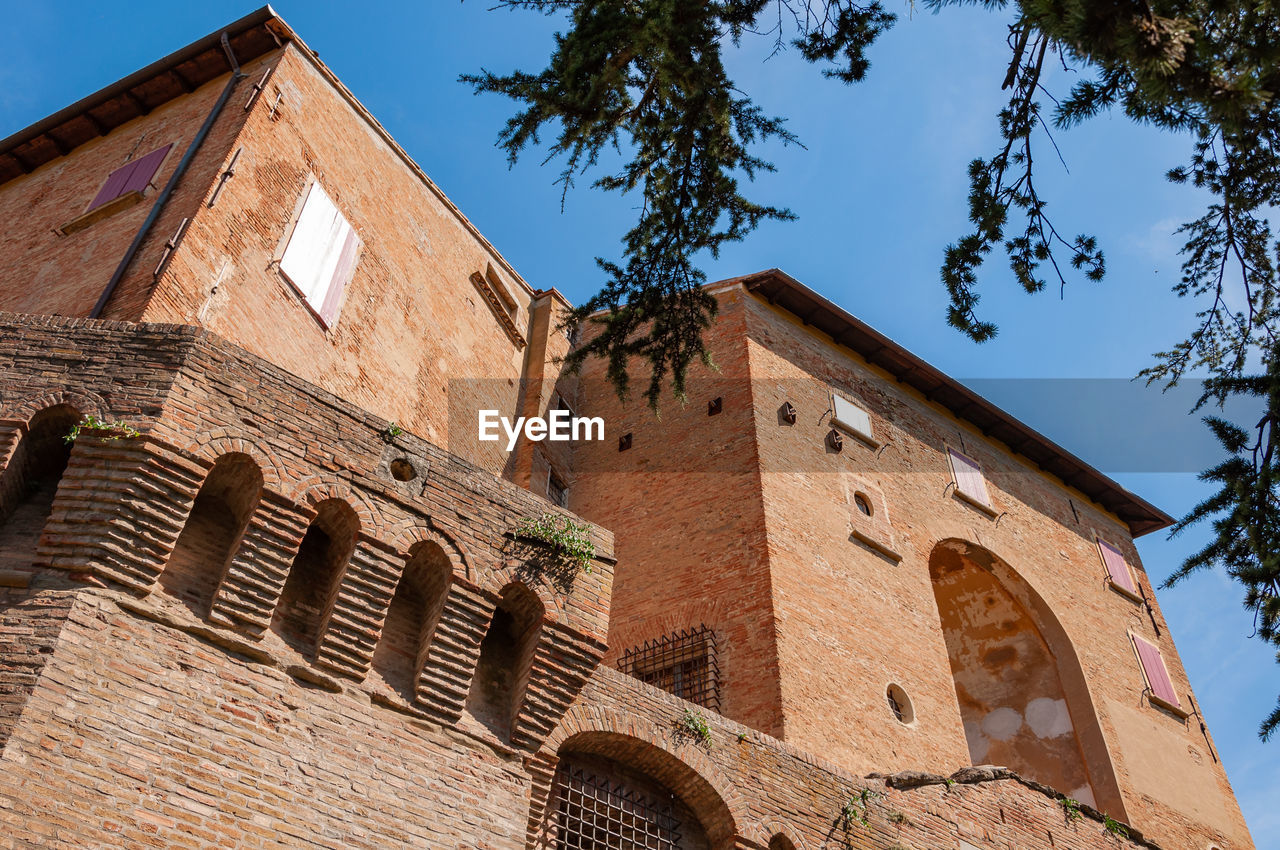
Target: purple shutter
pixel 1117 568
pixel 144 169
pixel 969 478
pixel 341 275
pixel 114 187
pixel 1157 674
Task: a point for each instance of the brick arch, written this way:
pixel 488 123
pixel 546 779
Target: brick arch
pixel 656 752
pixel 211 445
pixel 1099 767
pixel 420 531
pixel 498 580
pixel 316 489
pixel 85 403
pixel 775 830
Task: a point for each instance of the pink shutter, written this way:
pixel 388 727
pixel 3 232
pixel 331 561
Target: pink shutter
pixel 1157 674
pixel 969 478
pixel 1117 568
pixel 114 187
pixel 144 169
pixel 341 275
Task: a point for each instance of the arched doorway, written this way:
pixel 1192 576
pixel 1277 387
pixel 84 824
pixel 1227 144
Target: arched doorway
pixel 1022 695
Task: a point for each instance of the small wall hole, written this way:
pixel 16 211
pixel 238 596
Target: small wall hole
pixel 402 470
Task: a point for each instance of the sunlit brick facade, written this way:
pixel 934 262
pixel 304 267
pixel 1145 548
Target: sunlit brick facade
pixel 262 584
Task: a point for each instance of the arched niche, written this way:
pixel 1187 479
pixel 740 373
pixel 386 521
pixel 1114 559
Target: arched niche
pixel 1022 694
pixel 411 618
pixel 30 481
pixel 212 532
pixel 506 658
pixel 607 780
pixel 314 577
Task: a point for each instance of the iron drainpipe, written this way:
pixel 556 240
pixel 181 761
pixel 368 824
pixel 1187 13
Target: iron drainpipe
pixel 158 206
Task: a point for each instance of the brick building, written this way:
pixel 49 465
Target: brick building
pixel 272 593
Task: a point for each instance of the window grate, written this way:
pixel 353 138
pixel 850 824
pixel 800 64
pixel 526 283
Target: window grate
pixel 893 704
pixel 683 664
pixel 596 814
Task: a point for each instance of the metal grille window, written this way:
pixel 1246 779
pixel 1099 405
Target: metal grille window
pixel 683 664
pixel 557 492
pixel 596 814
pixel 894 705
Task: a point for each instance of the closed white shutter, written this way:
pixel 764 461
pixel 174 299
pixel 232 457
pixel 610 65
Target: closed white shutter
pixel 851 418
pixel 968 477
pixel 315 253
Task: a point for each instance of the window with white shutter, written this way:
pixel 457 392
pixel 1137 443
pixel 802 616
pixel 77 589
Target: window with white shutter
pixel 321 255
pixel 967 473
pixel 852 418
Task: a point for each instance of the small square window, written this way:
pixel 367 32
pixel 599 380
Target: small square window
pixel 321 255
pixel 683 663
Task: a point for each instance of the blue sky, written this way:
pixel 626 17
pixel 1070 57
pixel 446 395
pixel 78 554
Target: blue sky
pixel 879 190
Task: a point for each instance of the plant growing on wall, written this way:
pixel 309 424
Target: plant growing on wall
pixel 106 430
pixel 1070 809
pixel 693 725
pixel 1114 827
pixel 858 808
pixel 569 541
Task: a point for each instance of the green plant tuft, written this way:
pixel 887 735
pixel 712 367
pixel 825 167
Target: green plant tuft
pixel 570 541
pixel 1071 809
pixel 858 808
pixel 116 430
pixel 1114 827
pixel 693 725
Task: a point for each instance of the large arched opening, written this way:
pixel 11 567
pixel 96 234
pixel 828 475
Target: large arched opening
pixel 1021 692
pixel 616 791
pixel 30 482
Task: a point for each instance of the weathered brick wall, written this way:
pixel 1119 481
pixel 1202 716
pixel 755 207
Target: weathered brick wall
pixel 29 629
pixel 415 340
pixel 684 504
pixel 123 502
pixel 744 520
pixel 48 273
pixel 143 731
pixel 1040 537
pixel 136 719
